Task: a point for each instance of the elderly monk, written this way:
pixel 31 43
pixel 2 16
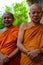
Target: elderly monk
pixel 30 38
pixel 8 39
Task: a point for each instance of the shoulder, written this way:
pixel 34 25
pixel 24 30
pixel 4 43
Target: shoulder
pixel 24 26
pixel 3 30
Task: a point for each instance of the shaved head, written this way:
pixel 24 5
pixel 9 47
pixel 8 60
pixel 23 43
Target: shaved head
pixel 35 5
pixel 35 12
pixel 9 14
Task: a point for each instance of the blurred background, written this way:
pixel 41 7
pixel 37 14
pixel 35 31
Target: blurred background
pixel 19 8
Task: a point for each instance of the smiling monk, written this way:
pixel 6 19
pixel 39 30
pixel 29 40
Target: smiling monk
pixel 9 52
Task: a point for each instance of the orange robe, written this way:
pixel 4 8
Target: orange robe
pixel 8 40
pixel 33 39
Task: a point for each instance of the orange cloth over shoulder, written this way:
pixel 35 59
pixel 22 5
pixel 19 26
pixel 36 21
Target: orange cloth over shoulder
pixel 8 41
pixel 33 39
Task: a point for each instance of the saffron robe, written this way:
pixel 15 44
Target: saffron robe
pixel 33 39
pixel 8 40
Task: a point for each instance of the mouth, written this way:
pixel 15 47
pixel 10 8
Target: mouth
pixel 7 22
pixel 36 18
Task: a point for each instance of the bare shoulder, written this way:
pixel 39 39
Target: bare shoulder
pixel 24 26
pixel 3 30
pixel 22 29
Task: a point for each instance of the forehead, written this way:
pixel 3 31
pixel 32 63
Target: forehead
pixel 7 14
pixel 35 8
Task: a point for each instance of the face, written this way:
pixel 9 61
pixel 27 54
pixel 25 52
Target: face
pixel 7 19
pixel 35 13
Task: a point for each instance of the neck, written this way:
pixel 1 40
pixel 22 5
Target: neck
pixel 9 26
pixel 36 23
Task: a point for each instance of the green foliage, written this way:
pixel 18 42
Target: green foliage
pixel 7 8
pixel 1 24
pixel 19 11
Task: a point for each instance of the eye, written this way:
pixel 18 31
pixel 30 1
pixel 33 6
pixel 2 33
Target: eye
pixel 4 17
pixel 32 12
pixel 9 17
pixel 39 12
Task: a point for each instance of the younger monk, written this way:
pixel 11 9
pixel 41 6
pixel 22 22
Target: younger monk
pixel 30 38
pixel 8 39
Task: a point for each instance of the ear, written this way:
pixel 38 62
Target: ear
pixel 13 19
pixel 29 13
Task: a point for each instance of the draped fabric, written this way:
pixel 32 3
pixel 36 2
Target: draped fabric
pixel 33 39
pixel 8 40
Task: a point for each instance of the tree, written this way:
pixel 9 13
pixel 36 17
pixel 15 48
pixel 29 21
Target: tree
pixel 1 24
pixel 19 11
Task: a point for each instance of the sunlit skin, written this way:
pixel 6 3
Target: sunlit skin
pixel 35 13
pixel 9 39
pixel 7 19
pixel 28 34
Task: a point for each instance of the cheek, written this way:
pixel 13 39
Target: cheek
pixel 40 16
pixel 2 21
pixel 10 21
pixel 31 16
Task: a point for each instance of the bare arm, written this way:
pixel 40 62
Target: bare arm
pixel 32 53
pixel 3 58
pixel 6 58
pixel 20 39
pixel 14 53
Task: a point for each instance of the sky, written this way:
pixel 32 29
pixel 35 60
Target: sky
pixel 3 3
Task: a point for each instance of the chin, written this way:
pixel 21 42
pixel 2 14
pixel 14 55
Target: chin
pixel 7 25
pixel 36 21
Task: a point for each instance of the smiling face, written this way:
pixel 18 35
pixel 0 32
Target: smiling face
pixel 35 13
pixel 7 19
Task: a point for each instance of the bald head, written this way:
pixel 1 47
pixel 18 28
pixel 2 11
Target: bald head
pixel 35 12
pixel 36 5
pixel 8 19
pixel 9 13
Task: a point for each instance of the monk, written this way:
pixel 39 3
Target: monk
pixel 30 38
pixel 9 53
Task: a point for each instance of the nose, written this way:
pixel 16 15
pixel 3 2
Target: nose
pixel 36 14
pixel 6 18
